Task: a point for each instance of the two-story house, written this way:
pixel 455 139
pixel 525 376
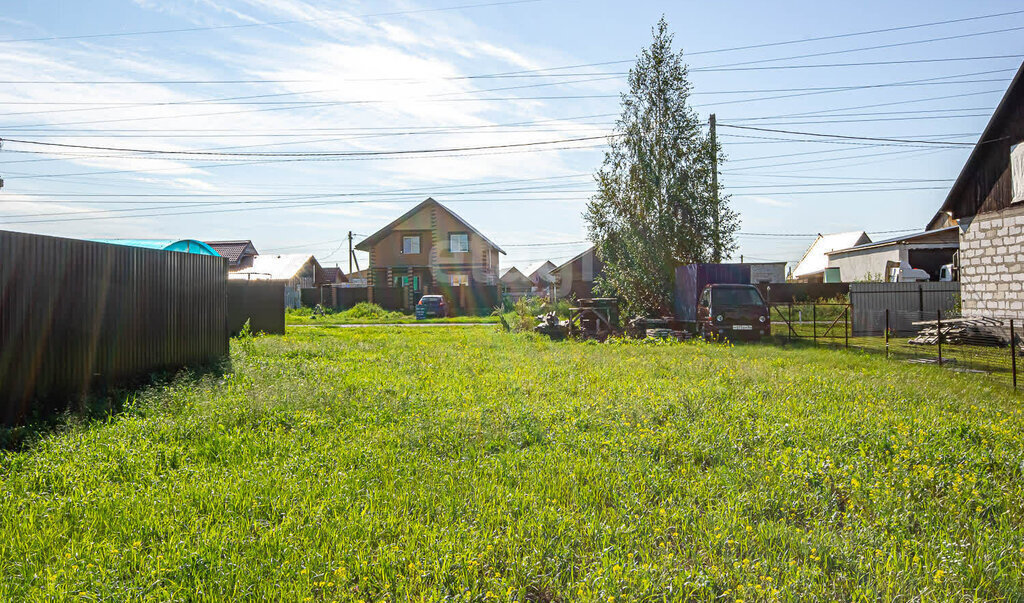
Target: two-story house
pixel 428 249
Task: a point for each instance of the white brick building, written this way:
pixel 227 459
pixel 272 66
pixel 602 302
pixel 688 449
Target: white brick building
pixel 987 203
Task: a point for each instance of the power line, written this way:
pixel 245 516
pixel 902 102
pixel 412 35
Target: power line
pixel 868 138
pixel 853 64
pixel 861 33
pixel 876 47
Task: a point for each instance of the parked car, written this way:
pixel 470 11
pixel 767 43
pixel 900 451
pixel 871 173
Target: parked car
pixel 432 306
pixel 732 312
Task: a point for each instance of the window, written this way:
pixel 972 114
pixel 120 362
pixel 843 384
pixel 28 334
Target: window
pixel 1017 171
pixel 407 281
pixel 460 280
pixel 458 242
pixel 739 296
pixel 411 244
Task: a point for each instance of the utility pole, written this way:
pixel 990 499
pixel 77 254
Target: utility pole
pixel 350 252
pixel 716 237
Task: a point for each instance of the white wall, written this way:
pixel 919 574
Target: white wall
pixel 992 264
pixel 866 264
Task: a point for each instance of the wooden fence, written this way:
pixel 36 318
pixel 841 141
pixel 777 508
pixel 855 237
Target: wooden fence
pixel 75 315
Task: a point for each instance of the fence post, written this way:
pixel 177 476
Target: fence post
pixel 789 327
pixel 846 326
pixel 938 329
pixel 814 322
pixel 887 333
pixel 1013 354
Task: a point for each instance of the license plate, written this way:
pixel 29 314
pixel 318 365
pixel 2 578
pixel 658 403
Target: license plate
pixel 742 328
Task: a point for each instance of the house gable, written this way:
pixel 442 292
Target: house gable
pixel 985 183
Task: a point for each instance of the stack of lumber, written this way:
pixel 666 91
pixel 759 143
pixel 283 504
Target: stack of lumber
pixel 964 331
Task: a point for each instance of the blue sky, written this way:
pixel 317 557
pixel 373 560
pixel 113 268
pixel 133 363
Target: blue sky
pixel 343 76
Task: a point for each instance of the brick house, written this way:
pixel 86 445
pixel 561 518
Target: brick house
pixel 987 204
pixel 429 248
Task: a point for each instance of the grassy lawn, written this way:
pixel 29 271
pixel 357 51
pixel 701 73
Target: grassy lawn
pixel 340 319
pixel 473 465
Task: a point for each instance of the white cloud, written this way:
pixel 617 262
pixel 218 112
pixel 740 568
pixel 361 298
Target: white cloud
pixel 769 201
pixel 414 66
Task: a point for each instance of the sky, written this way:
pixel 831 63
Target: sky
pixel 378 104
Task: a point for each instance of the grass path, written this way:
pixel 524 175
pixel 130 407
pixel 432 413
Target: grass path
pixel 472 465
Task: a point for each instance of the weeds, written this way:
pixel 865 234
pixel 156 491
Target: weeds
pixel 474 465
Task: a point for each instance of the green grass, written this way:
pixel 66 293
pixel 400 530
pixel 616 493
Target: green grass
pixel 365 313
pixel 473 465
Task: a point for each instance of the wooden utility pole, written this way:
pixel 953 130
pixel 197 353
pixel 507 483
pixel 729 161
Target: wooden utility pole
pixel 350 252
pixel 716 236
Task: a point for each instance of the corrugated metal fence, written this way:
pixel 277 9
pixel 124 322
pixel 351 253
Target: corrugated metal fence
pixel 906 302
pixel 77 314
pixel 260 303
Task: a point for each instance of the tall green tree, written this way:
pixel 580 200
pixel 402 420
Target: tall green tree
pixel 656 207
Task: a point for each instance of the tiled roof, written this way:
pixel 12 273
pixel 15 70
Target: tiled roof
pixel 333 274
pixel 232 250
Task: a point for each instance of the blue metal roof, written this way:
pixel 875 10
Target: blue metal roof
pixel 180 245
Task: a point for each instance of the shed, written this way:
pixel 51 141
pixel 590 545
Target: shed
pixel 928 251
pixel 811 268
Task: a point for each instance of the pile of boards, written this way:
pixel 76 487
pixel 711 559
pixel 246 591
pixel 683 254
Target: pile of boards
pixel 964 331
pixel 552 327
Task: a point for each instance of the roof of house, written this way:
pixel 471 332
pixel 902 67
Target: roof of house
pixel 513 274
pixel 815 259
pixel 566 264
pixel 181 245
pixel 988 135
pixel 540 270
pixel 369 241
pixel 940 235
pixel 274 267
pixel 333 274
pixel 233 250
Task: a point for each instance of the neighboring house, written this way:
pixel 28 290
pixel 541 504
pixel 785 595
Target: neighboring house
pixel 928 251
pixel 356 279
pixel 540 275
pixel 427 247
pixel 811 268
pixel 334 276
pixel 765 273
pixel 986 203
pixel 180 245
pixel 239 253
pixel 515 284
pixel 296 271
pixel 575 278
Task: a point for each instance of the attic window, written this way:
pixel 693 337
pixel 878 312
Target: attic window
pixel 458 242
pixel 1017 171
pixel 411 244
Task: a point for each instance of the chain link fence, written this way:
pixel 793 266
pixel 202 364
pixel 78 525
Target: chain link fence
pixel 990 345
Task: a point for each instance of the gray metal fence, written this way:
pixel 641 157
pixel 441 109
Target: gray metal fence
pixel 906 303
pixel 77 314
